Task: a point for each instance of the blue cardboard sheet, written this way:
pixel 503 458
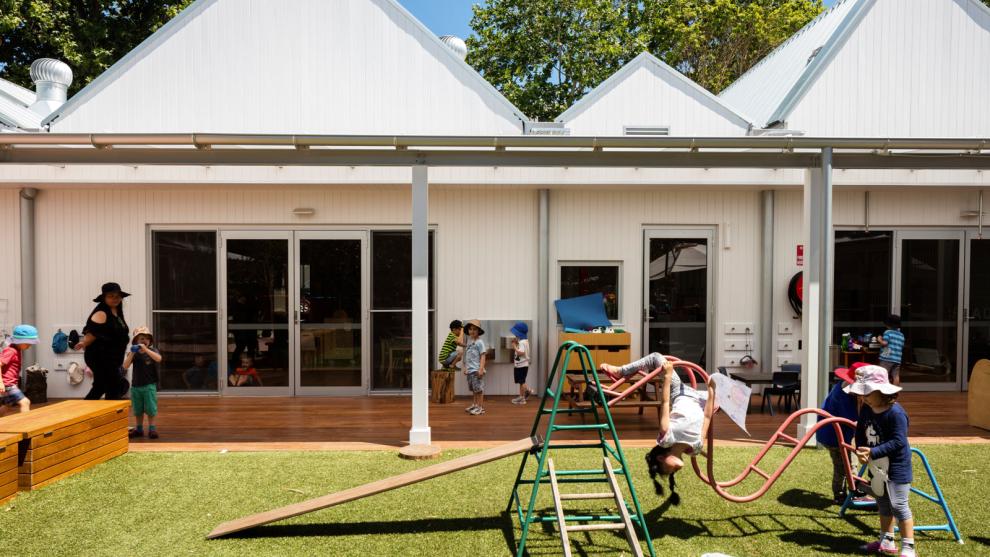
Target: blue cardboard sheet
pixel 582 313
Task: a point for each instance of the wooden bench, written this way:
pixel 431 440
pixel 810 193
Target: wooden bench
pixel 8 465
pixel 66 438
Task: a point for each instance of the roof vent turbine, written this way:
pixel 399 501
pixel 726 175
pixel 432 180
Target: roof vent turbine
pixel 456 44
pixel 51 84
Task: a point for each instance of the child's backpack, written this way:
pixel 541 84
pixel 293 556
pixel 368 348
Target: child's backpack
pixel 73 338
pixel 60 343
pixel 36 384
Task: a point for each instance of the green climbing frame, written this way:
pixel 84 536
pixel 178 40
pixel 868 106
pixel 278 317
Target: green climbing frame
pixel 608 441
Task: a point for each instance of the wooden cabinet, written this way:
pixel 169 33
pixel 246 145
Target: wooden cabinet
pixel 605 348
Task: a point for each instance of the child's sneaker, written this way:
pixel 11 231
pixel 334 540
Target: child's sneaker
pixel 529 393
pixel 907 550
pixel 517 400
pixel 477 411
pixel 470 409
pixel 886 546
pixel 153 434
pixel 135 433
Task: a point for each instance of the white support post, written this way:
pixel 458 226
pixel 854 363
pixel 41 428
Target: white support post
pixel 817 286
pixel 420 432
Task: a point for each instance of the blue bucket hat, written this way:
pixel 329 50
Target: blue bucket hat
pixel 520 330
pixel 24 334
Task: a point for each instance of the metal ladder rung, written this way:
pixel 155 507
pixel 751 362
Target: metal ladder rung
pixel 590 527
pixel 757 469
pixel 583 496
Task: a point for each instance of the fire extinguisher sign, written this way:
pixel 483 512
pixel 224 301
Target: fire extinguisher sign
pixel 800 255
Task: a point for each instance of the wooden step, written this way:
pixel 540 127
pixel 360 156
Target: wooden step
pixel 591 527
pixel 583 496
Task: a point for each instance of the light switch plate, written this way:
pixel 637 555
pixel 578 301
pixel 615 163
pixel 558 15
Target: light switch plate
pixel 784 328
pixel 786 344
pixel 786 359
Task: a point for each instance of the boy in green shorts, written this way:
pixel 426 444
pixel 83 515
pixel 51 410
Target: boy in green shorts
pixel 144 381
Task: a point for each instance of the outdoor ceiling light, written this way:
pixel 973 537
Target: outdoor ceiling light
pixel 304 211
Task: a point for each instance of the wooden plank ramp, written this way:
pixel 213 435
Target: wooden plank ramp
pixel 387 484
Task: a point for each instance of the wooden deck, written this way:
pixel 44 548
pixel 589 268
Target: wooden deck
pixel 367 423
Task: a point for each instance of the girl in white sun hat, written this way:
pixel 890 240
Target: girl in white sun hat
pixel 882 441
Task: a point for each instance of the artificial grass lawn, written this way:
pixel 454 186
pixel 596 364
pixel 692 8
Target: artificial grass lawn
pixel 165 503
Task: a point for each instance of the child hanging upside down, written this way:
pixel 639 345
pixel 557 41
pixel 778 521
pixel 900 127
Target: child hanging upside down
pixel 684 416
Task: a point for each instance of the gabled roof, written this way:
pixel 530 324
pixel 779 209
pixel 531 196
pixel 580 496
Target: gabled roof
pixel 14 111
pixel 16 92
pixel 771 88
pixel 663 73
pixel 272 58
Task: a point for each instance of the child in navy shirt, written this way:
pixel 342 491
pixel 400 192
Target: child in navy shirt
pixel 881 441
pixel 843 405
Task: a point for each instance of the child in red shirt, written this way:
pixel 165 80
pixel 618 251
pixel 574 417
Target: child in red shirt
pixel 245 375
pixel 10 368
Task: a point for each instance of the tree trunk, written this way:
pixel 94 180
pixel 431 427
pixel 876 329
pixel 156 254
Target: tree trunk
pixel 442 383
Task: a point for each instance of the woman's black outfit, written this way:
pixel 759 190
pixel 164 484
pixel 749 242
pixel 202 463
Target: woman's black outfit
pixel 106 354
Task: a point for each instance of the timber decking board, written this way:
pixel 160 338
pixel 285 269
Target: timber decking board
pixel 72 466
pixel 36 466
pixel 60 415
pixel 119 424
pixel 376 487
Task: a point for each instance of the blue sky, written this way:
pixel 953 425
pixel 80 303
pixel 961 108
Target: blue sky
pixel 452 17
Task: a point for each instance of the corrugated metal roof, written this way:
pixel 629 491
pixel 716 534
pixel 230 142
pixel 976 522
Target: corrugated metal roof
pixel 16 92
pixel 647 59
pixel 768 90
pixel 14 111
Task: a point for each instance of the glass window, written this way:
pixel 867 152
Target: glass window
pixel 862 283
pixel 185 266
pixel 188 343
pixel 677 297
pixel 582 279
pixel 184 311
pixel 391 305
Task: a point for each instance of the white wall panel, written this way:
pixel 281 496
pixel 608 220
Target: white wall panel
pixel 10 276
pixel 485 242
pixel 340 67
pixel 906 71
pixel 608 224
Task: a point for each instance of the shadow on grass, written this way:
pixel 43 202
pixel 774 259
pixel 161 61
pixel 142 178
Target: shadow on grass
pixel 978 539
pixel 804 499
pixel 823 541
pixel 474 524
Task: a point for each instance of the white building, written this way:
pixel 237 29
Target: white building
pixel 307 267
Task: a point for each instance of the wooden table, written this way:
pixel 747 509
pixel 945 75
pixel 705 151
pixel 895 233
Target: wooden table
pixel 66 438
pixel 858 356
pixel 8 465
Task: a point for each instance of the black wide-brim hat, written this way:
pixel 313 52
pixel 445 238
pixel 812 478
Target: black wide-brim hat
pixel 110 288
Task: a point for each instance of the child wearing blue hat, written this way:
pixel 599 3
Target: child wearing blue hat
pixel 520 360
pixel 10 367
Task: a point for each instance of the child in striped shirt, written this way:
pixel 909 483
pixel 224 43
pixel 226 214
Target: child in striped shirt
pixel 893 348
pixel 450 352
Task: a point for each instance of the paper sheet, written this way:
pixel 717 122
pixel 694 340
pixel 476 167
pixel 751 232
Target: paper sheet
pixel 733 398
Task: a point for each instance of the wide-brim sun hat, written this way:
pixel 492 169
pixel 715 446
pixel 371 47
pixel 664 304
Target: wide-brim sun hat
pixel 871 378
pixel 110 288
pixel 520 330
pixel 477 324
pixel 848 374
pixel 24 334
pixel 142 330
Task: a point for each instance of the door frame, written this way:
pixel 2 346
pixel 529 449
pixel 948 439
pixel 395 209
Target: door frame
pixel 295 261
pixel 961 236
pixel 257 234
pixel 971 235
pixel 675 232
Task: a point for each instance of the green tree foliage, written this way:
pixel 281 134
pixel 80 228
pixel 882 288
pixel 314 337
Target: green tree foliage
pixel 546 54
pixel 88 35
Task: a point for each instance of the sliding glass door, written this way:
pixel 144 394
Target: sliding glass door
pixel 331 276
pixel 928 295
pixel 678 292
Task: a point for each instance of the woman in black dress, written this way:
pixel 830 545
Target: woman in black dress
pixel 105 342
